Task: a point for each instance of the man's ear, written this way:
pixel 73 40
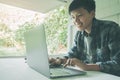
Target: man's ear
pixel 92 13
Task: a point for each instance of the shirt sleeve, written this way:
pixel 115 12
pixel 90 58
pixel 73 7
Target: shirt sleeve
pixel 73 51
pixel 112 66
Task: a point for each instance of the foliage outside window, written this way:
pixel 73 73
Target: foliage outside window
pixel 12 38
pixel 56 30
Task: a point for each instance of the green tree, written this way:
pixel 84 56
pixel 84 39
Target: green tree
pixel 19 34
pixel 56 29
pixel 6 36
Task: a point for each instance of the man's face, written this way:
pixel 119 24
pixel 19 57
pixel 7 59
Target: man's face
pixel 82 19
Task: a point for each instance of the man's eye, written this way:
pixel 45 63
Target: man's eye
pixel 79 15
pixel 72 17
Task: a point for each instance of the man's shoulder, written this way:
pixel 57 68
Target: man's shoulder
pixel 106 23
pixel 108 26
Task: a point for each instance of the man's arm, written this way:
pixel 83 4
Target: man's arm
pixel 113 65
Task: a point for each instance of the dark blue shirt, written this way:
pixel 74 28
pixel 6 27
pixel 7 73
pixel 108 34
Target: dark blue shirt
pixel 105 46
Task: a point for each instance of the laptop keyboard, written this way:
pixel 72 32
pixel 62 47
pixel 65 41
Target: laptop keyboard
pixel 60 71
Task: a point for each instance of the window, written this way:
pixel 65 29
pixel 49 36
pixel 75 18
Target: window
pixel 56 30
pixel 15 21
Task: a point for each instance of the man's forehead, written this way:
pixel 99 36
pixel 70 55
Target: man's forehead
pixel 78 11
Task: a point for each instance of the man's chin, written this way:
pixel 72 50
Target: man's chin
pixel 79 29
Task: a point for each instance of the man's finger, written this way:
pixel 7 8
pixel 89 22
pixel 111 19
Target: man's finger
pixel 67 63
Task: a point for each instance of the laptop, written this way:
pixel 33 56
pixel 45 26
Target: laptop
pixel 37 55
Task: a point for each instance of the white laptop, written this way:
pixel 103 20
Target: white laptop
pixel 37 55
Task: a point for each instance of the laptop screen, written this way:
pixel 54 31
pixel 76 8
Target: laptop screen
pixel 36 50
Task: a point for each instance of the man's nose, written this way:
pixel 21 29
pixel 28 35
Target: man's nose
pixel 76 20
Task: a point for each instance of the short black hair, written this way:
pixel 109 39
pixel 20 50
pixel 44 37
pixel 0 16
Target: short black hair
pixel 89 5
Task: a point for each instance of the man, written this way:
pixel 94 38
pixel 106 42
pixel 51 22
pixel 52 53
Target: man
pixel 97 42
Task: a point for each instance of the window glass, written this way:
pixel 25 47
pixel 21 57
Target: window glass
pixel 15 21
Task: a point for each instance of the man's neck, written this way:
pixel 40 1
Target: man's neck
pixel 88 29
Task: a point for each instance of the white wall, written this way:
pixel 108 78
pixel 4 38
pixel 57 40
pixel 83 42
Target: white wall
pixel 105 9
pixel 108 9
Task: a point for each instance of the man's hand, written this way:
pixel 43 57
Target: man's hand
pixel 55 62
pixel 75 62
pixel 81 65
